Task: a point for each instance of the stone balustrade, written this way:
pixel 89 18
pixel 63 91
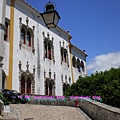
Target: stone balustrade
pixel 99 111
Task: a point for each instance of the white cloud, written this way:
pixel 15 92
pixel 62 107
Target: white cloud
pixel 104 62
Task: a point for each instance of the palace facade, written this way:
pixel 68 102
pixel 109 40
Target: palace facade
pixel 33 58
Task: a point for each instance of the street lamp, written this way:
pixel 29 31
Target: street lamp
pixel 50 16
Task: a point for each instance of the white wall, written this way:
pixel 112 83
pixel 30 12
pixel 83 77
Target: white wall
pixel 37 59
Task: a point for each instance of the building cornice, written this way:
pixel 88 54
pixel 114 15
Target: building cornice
pixel 82 51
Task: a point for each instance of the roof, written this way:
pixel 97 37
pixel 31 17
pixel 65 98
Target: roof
pixel 66 32
pixel 30 6
pixel 83 51
pixel 40 14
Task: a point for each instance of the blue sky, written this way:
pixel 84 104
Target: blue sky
pixel 94 26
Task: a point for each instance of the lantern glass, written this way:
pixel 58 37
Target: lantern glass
pixel 56 18
pixel 50 16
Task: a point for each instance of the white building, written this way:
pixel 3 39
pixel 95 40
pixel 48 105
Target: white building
pixel 33 58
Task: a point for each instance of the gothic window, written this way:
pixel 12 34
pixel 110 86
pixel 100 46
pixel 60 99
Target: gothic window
pixel 74 61
pixel 64 55
pixel 25 86
pixel 61 54
pixel 82 65
pixel 28 86
pixel 26 36
pixel 6 31
pixel 48 49
pixel 45 47
pixel 23 36
pixel 65 87
pixel 78 65
pixel 28 39
pixel 22 85
pixel 46 88
pixel 49 87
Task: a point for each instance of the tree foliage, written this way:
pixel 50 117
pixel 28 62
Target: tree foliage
pixel 105 84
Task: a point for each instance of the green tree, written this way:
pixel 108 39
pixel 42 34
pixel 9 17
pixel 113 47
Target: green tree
pixel 105 84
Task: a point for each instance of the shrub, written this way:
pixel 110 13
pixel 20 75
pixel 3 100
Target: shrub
pixel 5 101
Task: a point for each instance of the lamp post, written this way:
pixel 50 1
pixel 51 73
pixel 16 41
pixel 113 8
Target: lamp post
pixel 50 16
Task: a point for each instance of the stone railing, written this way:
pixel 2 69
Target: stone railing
pixel 99 111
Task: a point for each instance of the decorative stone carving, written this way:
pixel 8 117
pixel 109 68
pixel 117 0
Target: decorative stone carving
pixel 20 44
pixel 27 28
pixel 33 49
pixel 60 43
pixel 62 78
pixel 46 43
pixel 27 21
pixel 44 73
pixel 63 44
pixel 20 65
pixel 48 36
pixel 1 58
pixel 54 76
pixel 20 19
pixel 27 66
pixel 34 70
pixel 50 73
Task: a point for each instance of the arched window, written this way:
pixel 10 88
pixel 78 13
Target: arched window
pixel 74 61
pixel 82 65
pixel 78 64
pixel 28 86
pixel 28 39
pixel 23 36
pixel 65 87
pixel 49 51
pixel 64 55
pixel 22 85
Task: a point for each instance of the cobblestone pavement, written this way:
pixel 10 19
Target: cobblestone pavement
pixel 43 112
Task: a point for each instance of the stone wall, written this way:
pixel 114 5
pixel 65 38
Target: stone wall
pixel 95 110
pixel 66 102
pixel 99 111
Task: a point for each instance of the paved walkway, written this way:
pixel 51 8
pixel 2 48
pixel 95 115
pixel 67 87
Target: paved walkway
pixel 43 112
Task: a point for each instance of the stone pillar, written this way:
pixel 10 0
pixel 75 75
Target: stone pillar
pixel 53 90
pixel 2 26
pixel 48 90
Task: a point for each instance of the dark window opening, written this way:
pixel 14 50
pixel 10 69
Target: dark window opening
pixel 28 86
pixel 22 85
pixel 6 31
pixel 45 46
pixel 49 51
pixel 28 39
pixel 65 57
pixel 23 36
